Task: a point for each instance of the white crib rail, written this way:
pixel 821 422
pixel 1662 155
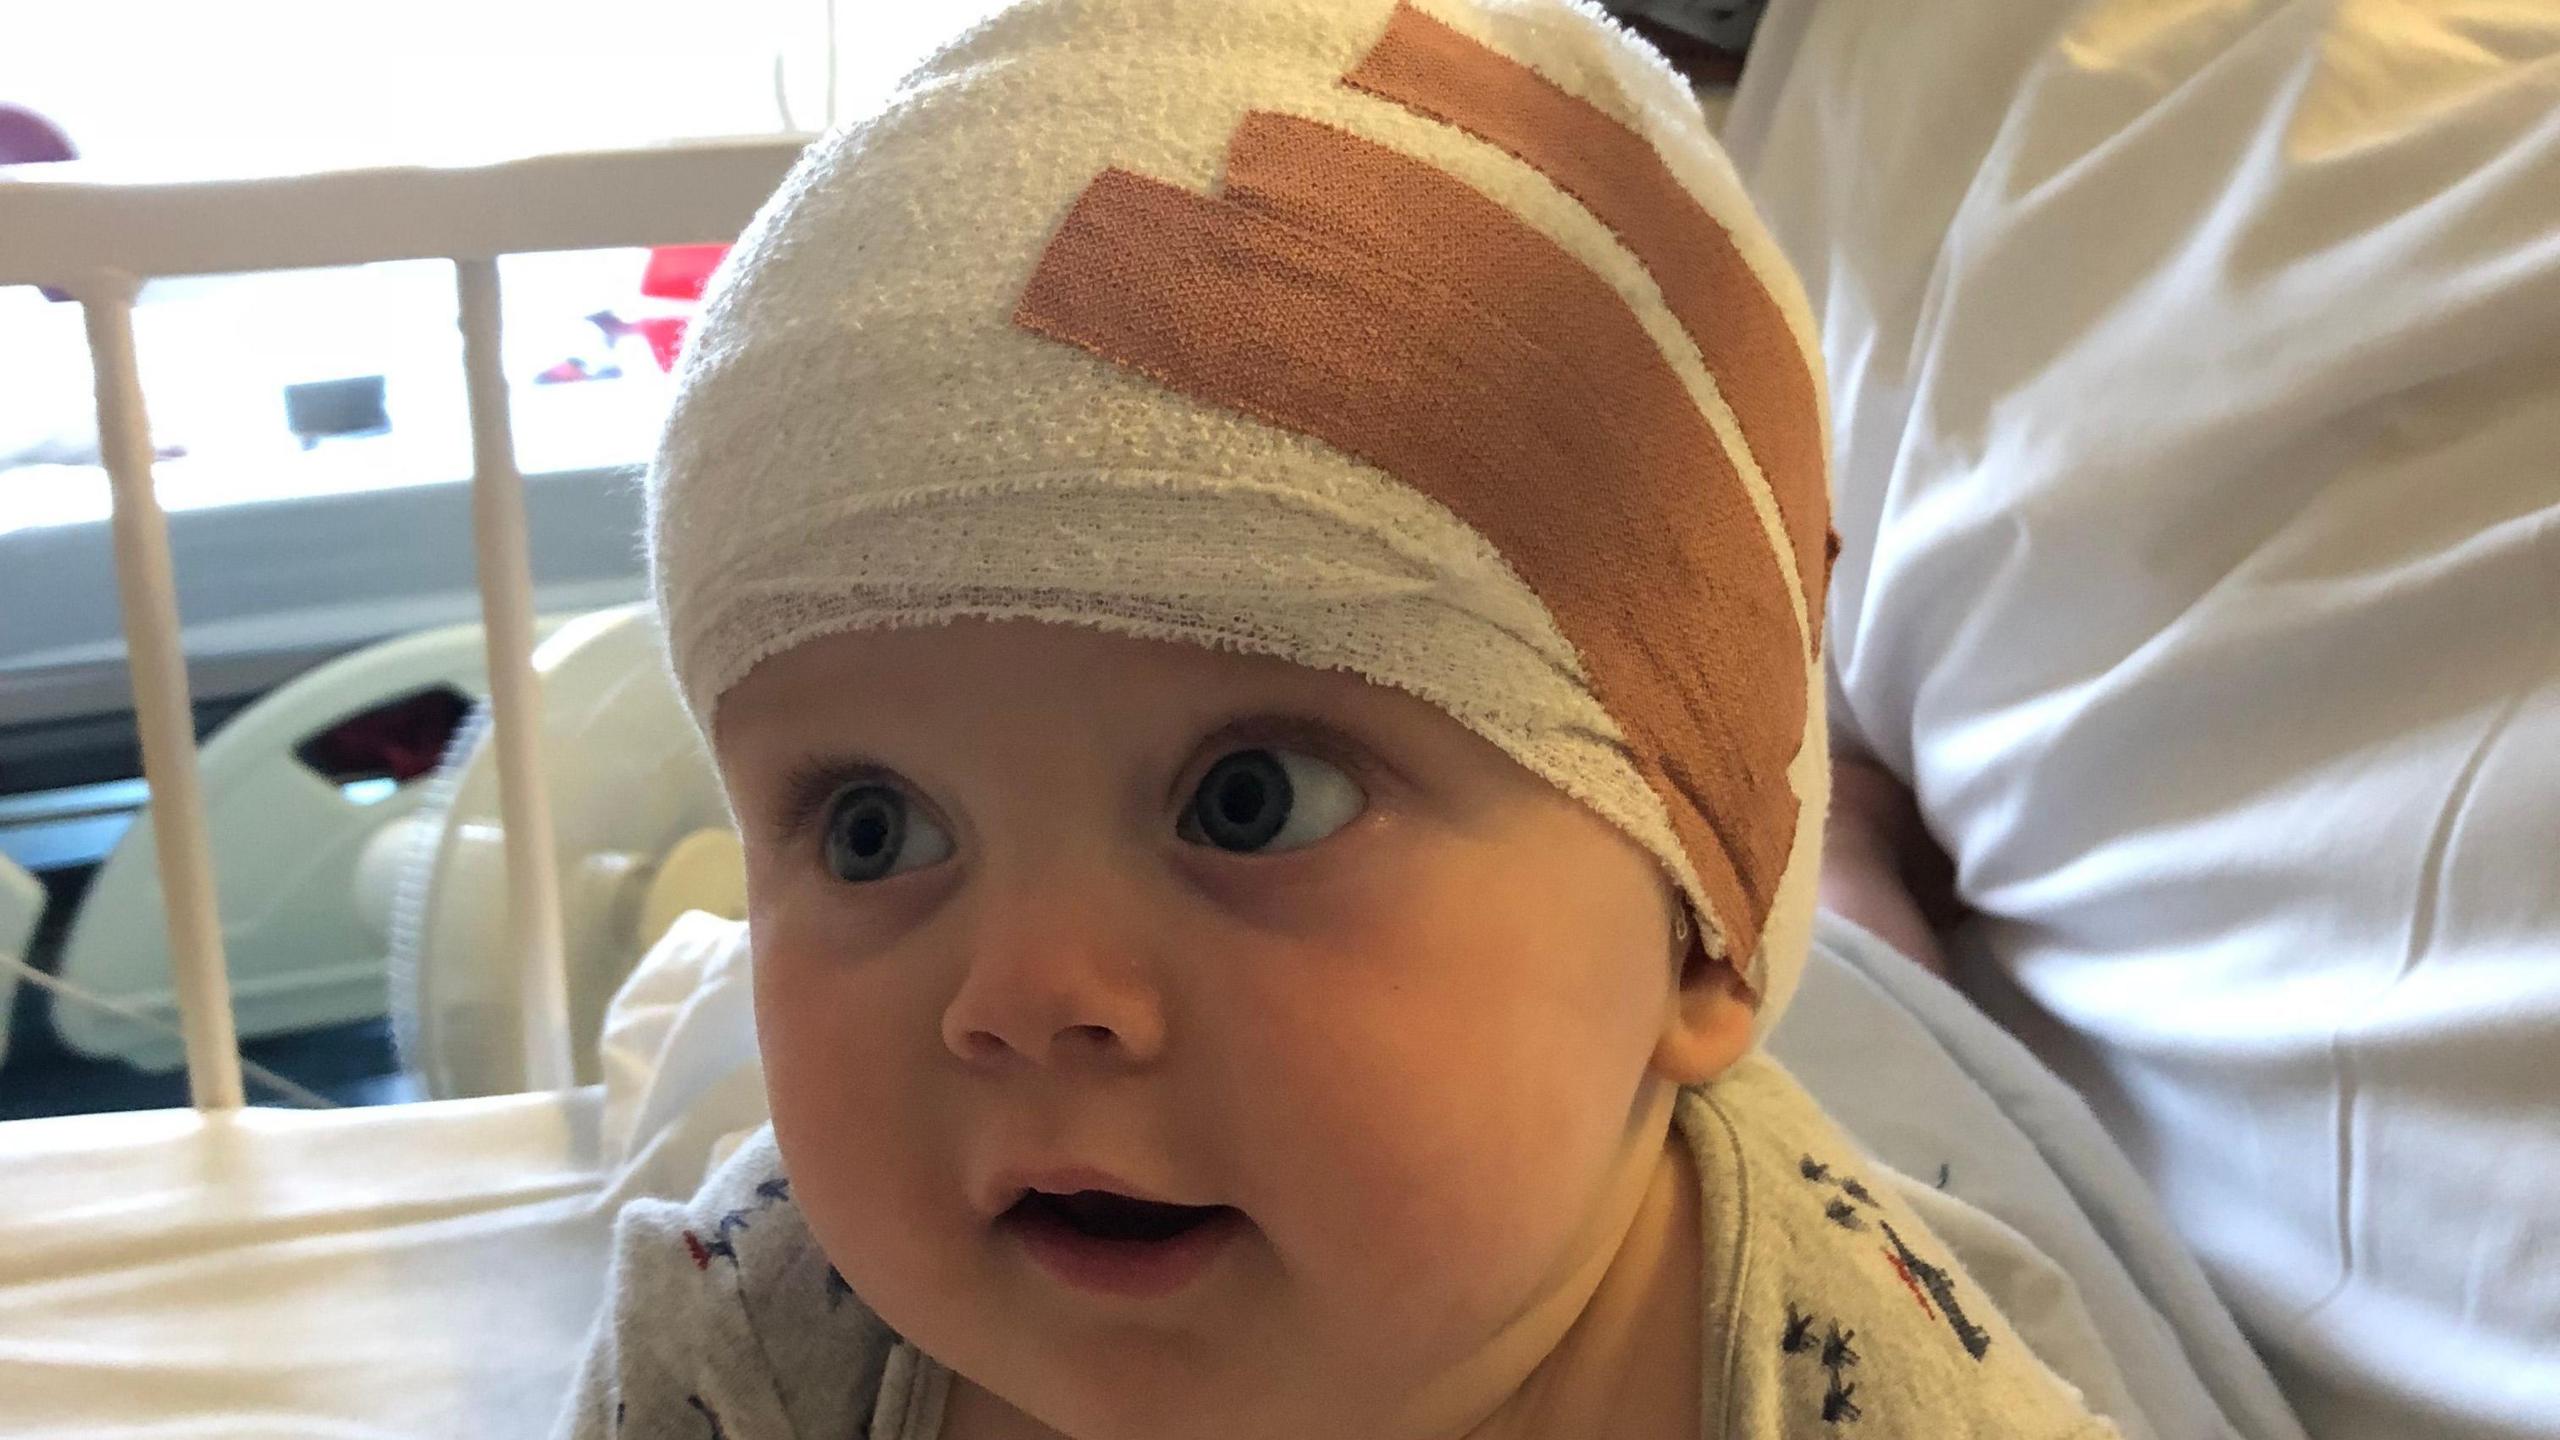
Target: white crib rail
pixel 99 238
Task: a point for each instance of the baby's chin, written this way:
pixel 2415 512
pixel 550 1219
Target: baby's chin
pixel 1248 1406
pixel 1258 1381
pixel 1120 1387
pixel 1237 1364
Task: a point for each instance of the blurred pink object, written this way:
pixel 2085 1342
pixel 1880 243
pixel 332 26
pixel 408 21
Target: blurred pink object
pixel 27 138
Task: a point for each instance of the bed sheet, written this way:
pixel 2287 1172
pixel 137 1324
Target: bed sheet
pixel 403 1271
pixel 392 1273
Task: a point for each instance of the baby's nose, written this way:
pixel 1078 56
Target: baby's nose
pixel 1055 985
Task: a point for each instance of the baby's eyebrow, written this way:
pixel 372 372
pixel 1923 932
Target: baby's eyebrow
pixel 1295 729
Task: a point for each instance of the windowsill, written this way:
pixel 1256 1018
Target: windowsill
pixel 269 588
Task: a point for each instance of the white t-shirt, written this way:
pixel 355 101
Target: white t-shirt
pixel 2196 377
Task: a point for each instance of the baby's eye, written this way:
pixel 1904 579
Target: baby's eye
pixel 873 833
pixel 1263 801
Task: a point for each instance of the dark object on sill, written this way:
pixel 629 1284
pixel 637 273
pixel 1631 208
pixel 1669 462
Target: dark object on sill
pixel 575 369
pixel 327 409
pixel 663 334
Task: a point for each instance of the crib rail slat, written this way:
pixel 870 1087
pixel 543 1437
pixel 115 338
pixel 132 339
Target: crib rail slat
pixel 515 691
pixel 69 220
pixel 166 720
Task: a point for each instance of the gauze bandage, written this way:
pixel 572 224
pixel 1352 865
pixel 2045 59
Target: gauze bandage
pixel 1433 342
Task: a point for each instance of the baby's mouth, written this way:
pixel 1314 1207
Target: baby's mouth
pixel 1120 1247
pixel 1103 1215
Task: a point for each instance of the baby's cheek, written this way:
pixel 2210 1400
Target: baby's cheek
pixel 811 1033
pixel 1435 1193
pixel 845 1110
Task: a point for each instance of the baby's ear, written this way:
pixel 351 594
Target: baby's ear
pixel 1708 1024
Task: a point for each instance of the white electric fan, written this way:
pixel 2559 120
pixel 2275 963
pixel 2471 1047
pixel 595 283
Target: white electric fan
pixel 289 842
pixel 642 835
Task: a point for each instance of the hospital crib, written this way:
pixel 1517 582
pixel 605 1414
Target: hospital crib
pixel 417 1269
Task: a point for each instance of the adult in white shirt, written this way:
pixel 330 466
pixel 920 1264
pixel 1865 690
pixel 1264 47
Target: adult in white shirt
pixel 2196 374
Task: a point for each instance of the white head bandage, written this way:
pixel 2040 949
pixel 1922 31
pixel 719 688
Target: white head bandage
pixel 1430 341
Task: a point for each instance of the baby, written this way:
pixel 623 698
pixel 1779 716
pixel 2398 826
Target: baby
pixel 1254 574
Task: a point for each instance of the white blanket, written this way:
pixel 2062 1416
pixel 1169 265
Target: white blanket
pixel 2053 1220
pixel 2196 383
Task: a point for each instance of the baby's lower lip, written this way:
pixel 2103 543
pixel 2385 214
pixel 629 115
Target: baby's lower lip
pixel 1125 1269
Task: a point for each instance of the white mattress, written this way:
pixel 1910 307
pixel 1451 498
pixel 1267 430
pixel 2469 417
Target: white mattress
pixel 412 1270
pixel 418 1271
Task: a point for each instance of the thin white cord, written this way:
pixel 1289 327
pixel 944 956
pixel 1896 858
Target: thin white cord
pixel 831 63
pixel 782 90
pixel 250 1067
pixel 782 96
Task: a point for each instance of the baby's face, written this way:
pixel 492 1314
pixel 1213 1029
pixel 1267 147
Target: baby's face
pixel 1041 909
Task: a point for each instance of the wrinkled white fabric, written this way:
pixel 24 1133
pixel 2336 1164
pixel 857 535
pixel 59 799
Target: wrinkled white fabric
pixel 2057 1224
pixel 2196 374
pixel 399 1272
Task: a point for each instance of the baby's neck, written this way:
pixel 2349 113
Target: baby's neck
pixel 1630 1364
